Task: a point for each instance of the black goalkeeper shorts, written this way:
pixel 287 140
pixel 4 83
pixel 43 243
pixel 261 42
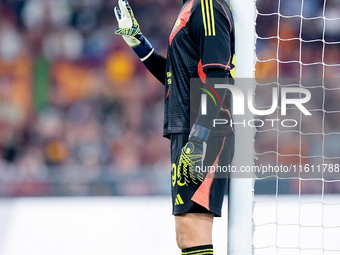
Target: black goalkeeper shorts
pixel 206 196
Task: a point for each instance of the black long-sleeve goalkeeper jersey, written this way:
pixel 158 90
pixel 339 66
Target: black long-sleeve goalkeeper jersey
pixel 201 44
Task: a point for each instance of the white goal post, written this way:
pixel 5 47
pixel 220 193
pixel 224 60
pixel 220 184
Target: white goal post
pixel 296 43
pixel 240 198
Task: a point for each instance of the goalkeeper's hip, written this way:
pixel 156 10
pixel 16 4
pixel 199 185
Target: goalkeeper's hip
pixel 202 194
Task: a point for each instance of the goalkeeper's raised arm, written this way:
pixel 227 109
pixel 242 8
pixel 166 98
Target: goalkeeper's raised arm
pixel 132 35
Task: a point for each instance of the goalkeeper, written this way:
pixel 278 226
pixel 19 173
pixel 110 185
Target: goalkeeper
pixel 201 45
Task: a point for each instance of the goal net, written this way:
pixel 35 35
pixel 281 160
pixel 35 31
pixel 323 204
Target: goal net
pixel 296 205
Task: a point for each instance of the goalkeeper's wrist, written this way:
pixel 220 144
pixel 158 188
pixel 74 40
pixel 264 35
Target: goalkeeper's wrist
pixel 144 49
pixel 199 132
pixel 142 52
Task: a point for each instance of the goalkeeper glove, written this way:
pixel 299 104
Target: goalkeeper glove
pixel 192 156
pixel 129 29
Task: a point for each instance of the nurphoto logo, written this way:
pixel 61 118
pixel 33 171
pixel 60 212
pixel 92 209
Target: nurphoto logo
pixel 300 97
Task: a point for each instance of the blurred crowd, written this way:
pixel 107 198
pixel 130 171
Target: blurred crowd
pixel 73 95
pixel 77 104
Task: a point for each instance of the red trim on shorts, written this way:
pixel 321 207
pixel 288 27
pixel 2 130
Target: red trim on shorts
pixel 226 110
pixel 202 194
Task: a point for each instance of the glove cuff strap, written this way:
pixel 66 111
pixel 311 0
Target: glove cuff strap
pixel 144 49
pixel 200 132
pixel 141 51
pixel 147 56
